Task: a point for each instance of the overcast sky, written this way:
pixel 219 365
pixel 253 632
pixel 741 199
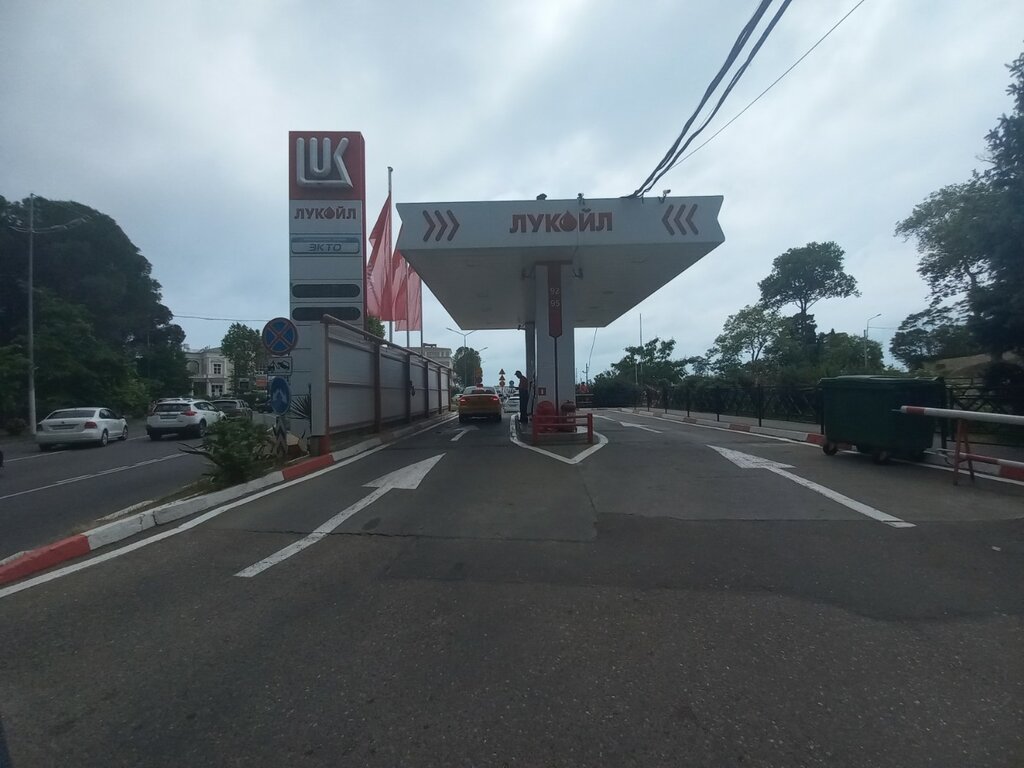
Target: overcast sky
pixel 173 119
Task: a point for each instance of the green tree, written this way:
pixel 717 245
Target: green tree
pixel 465 364
pixel 161 363
pixel 845 353
pixel 241 345
pixel 930 335
pixel 651 363
pixel 747 334
pixel 375 326
pixel 92 277
pixel 953 232
pixel 804 276
pixel 971 236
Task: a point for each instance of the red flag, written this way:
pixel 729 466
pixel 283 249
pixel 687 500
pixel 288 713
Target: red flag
pixel 399 288
pixel 379 289
pixel 399 311
pixel 414 292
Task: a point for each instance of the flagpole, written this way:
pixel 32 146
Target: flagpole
pixel 391 323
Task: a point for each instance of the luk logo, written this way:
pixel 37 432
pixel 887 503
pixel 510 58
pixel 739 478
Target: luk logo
pixel 319 167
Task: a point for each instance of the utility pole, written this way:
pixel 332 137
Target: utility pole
pixel 867 326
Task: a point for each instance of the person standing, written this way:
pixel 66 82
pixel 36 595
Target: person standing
pixel 524 398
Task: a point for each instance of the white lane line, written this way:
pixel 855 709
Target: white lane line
pixel 726 429
pixel 602 441
pixel 39 455
pixel 52 575
pixel 80 478
pixel 321 532
pixel 639 426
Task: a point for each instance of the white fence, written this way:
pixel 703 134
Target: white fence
pixel 360 381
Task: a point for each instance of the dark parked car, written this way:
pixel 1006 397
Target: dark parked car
pixel 234 409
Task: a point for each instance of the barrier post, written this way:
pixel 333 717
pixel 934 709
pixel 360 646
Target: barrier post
pixel 963 451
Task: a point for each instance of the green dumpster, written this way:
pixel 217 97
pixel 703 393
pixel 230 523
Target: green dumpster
pixel 863 411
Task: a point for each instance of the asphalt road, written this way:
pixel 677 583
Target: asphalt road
pixel 654 604
pixel 46 496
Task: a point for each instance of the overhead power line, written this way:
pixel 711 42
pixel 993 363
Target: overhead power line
pixel 675 151
pixel 734 53
pixel 773 84
pixel 221 319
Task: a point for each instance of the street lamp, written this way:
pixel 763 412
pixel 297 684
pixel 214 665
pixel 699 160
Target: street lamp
pixel 867 327
pixel 463 334
pixel 32 232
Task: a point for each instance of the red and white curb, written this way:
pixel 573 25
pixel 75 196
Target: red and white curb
pixel 1003 468
pixel 39 559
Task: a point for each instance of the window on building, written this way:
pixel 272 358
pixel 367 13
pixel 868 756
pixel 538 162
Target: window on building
pixel 216 390
pixel 218 369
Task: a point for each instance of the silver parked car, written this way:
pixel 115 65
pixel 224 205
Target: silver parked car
pixel 80 425
pixel 182 416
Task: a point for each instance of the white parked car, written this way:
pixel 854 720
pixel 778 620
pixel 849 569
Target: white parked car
pixel 80 425
pixel 511 404
pixel 182 416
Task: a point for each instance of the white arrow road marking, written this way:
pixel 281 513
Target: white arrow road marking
pixel 640 426
pixel 461 432
pixel 746 461
pixel 407 478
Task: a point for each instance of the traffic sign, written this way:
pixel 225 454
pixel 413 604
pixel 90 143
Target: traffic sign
pixel 280 336
pixel 279 366
pixel 280 395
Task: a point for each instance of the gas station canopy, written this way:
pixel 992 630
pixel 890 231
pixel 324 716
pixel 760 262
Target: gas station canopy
pixel 479 258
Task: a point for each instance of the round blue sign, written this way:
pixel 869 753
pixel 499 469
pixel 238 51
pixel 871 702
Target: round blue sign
pixel 280 395
pixel 280 336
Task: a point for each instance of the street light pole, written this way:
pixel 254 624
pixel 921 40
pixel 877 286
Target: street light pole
pixel 464 335
pixel 32 232
pixel 31 319
pixel 867 327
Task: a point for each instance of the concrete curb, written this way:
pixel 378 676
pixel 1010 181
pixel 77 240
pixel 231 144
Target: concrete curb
pixel 41 558
pixel 996 468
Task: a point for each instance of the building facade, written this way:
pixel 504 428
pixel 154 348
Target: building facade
pixel 210 372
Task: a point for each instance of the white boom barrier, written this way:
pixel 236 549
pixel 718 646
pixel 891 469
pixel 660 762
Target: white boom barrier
pixel 950 413
pixel 963 453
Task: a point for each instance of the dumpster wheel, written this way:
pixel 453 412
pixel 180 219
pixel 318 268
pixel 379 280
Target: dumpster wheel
pixel 830 449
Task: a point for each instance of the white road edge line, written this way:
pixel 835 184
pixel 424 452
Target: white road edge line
pixel 602 441
pixel 67 570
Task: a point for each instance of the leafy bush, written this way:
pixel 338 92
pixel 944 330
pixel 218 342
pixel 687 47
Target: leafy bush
pixel 15 425
pixel 239 450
